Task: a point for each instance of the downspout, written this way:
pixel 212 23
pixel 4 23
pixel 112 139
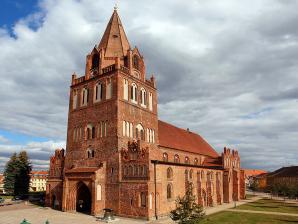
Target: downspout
pixel 155 203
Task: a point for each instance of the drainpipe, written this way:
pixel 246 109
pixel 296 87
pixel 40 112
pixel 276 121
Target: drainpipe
pixel 155 203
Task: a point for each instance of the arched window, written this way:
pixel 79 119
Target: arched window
pixel 90 153
pixel 196 161
pixel 150 200
pixel 143 199
pixel 135 62
pixel 133 93
pixel 190 174
pixel 125 89
pixel 98 92
pixel 165 157
pixel 143 98
pixel 199 176
pixel 140 132
pixel 169 191
pixel 169 173
pixel 150 101
pixel 95 61
pixel 176 159
pixel 90 132
pixel 109 89
pixel 75 99
pixel 186 175
pixel 186 160
pixel 85 96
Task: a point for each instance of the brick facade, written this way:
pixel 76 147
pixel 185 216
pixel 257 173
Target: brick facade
pixel 119 155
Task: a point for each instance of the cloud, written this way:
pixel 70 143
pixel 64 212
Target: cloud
pixel 3 139
pixel 38 152
pixel 225 69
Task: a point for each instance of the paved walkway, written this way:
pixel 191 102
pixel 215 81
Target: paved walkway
pixel 262 212
pixel 14 214
pixel 225 206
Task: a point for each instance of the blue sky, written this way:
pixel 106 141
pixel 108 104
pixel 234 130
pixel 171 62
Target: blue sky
pixel 225 69
pixel 12 10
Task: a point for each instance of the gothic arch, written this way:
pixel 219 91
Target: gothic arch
pixel 83 198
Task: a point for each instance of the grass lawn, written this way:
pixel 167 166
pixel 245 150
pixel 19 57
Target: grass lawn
pixel 249 196
pixel 269 205
pixel 6 196
pixel 247 218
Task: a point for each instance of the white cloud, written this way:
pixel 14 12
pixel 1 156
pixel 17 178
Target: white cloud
pixel 39 152
pixel 3 139
pixel 226 69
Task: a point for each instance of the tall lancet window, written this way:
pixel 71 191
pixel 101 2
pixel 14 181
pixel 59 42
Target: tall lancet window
pixel 135 62
pixel 150 101
pixel 143 97
pixel 109 89
pixel 75 99
pixel 98 92
pixel 133 93
pixel 95 61
pixel 125 89
pixel 85 95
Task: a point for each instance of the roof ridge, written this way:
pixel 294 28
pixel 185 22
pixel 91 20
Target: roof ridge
pixel 185 130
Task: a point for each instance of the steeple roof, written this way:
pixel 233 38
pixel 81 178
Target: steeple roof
pixel 114 40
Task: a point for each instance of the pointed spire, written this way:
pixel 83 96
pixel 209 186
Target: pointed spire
pixel 114 40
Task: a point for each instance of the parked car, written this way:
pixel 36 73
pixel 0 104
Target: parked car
pixel 2 200
pixel 16 198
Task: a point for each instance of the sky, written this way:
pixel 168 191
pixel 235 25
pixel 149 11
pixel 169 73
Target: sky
pixel 225 69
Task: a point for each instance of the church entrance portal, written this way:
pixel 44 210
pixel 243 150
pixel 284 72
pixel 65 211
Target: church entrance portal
pixel 83 199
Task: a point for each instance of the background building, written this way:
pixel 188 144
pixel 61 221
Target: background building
pixel 119 155
pixel 2 191
pixel 250 175
pixel 38 181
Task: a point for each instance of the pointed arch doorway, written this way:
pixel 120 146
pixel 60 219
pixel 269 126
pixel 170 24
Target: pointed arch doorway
pixel 83 198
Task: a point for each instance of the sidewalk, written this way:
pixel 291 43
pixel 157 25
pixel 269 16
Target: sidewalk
pixel 225 206
pixel 262 212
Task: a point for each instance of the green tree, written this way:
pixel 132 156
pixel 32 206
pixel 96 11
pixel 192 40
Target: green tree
pixel 254 186
pixel 10 173
pixel 17 174
pixel 187 210
pixel 23 177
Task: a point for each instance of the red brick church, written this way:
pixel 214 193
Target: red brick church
pixel 119 155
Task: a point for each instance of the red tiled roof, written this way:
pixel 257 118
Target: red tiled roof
pixel 83 169
pixel 213 162
pixel 114 38
pixel 41 172
pixel 291 171
pixel 177 138
pixel 252 173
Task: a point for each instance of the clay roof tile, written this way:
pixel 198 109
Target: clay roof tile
pixel 180 139
pixel 114 40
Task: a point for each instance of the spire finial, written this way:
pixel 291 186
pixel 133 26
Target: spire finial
pixel 116 6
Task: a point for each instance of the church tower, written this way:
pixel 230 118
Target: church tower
pixel 112 127
pixel 119 155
